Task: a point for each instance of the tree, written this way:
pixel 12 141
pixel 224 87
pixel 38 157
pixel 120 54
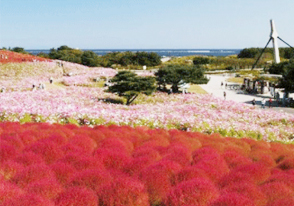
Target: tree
pixel 90 58
pixel 201 60
pixel 287 81
pixel 176 74
pixel 19 50
pixel 128 85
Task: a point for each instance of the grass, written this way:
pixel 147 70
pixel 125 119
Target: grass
pixel 196 89
pixel 238 80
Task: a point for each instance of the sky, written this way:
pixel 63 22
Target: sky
pixel 144 24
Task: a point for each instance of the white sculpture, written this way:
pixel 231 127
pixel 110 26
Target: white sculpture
pixel 274 36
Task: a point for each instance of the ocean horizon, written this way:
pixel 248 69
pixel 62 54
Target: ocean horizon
pixel 160 52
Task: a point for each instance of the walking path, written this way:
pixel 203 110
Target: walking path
pixel 214 87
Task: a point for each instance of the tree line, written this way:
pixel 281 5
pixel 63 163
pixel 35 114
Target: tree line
pixel 90 58
pixel 286 53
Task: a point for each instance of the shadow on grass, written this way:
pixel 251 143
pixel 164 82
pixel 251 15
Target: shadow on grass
pixel 111 101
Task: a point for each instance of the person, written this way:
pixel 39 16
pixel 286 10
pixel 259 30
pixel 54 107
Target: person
pixel 226 85
pixel 51 80
pixel 34 87
pixel 225 95
pixel 222 84
pixel 263 103
pixel 253 102
pixel 270 101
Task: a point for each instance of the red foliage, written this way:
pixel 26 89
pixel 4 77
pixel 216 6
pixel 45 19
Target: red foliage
pixel 283 177
pixel 136 165
pixel 211 162
pixel 148 152
pixel 9 191
pixel 10 168
pixel 27 200
pixel 12 139
pixel 258 172
pixel 76 196
pixel 238 145
pixel 92 179
pixel 63 171
pixel 233 199
pixel 124 191
pixel 32 173
pixel 262 157
pixel 85 142
pixel 280 151
pixel 111 158
pixel 234 159
pixel 235 177
pixel 158 179
pixel 29 158
pixel 7 152
pixel 289 201
pixel 197 192
pixel 249 190
pixel 117 144
pixel 179 154
pixel 189 173
pixel 14 57
pixel 81 161
pixel 286 164
pixel 275 191
pixel 47 188
pixel 47 150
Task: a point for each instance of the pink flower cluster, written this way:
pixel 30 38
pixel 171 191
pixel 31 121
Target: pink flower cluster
pixel 192 112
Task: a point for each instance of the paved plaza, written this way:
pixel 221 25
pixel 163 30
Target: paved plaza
pixel 214 87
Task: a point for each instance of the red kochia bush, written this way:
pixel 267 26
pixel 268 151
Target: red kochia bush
pixel 234 159
pixel 28 200
pixel 249 190
pixel 258 172
pixel 275 191
pixel 81 161
pixel 85 142
pixel 283 202
pixel 197 192
pixel 124 191
pixel 232 199
pixel 47 150
pixel 62 171
pixel 7 152
pixel 32 173
pixel 77 196
pixel 286 164
pixel 211 162
pixel 9 191
pixel 111 158
pixel 158 179
pixel 29 158
pixel 47 188
pixel 10 168
pixel 92 179
pixel 189 173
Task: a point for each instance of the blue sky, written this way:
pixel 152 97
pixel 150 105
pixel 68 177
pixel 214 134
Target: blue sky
pixel 144 24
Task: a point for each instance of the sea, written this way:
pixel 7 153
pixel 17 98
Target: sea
pixel 161 52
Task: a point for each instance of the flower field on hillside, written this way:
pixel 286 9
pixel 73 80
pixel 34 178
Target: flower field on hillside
pixel 52 164
pixel 203 113
pixel 9 56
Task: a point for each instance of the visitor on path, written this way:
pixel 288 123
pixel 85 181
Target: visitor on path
pixel 253 102
pixel 270 101
pixel 51 80
pixel 263 103
pixel 222 84
pixel 225 95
